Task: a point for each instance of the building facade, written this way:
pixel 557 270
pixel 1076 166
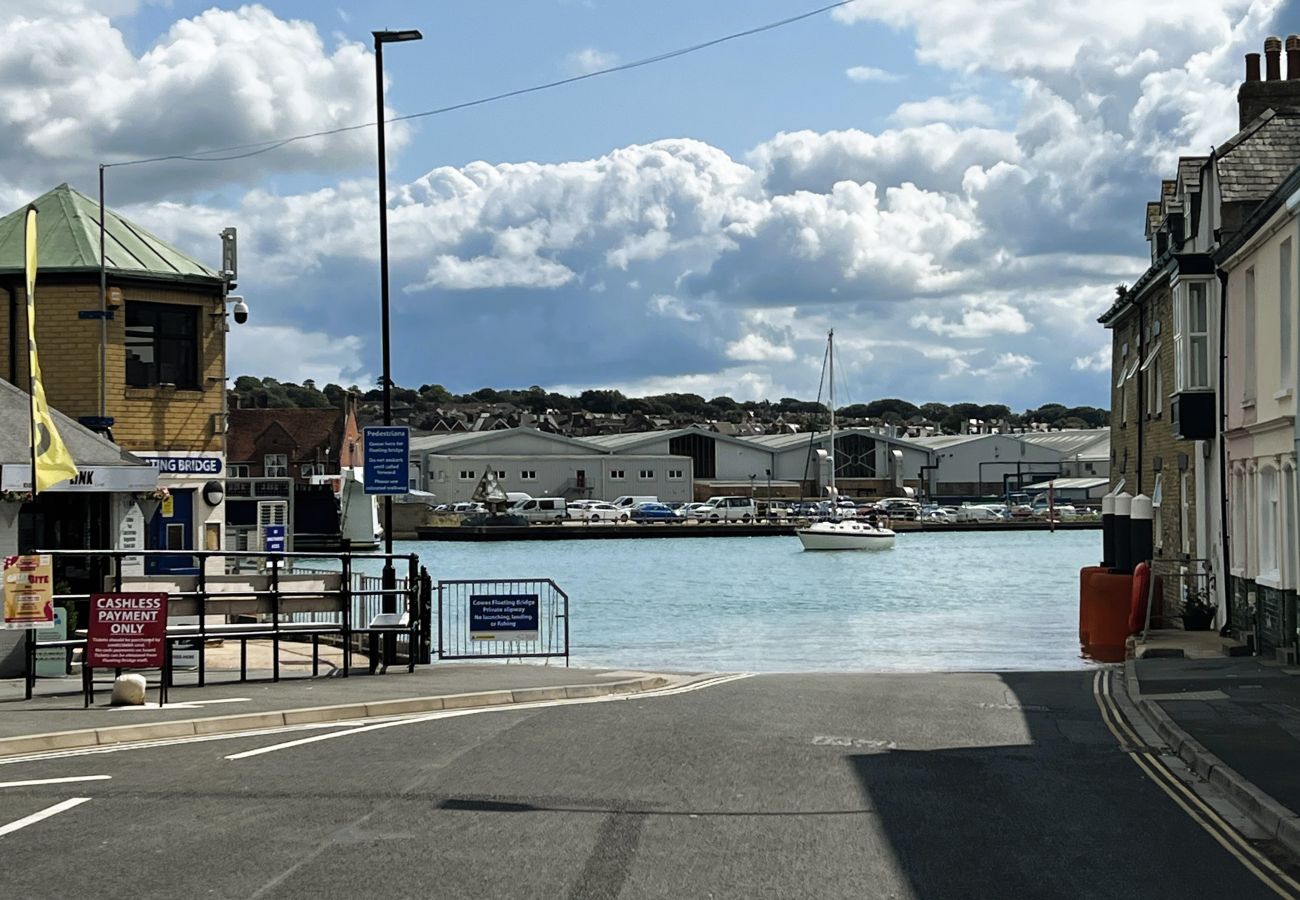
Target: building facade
pixel 146 368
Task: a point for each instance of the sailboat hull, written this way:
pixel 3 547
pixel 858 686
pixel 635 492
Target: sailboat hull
pixel 845 536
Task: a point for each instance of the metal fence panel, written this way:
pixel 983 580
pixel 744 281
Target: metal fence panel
pixel 462 633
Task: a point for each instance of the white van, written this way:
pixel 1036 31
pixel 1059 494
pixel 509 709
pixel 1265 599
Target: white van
pixel 627 503
pixel 728 509
pixel 540 509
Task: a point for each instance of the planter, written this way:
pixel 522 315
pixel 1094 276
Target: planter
pixel 1197 621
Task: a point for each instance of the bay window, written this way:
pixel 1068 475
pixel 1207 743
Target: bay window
pixel 1192 336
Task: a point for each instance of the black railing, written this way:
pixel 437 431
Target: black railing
pixel 275 603
pixel 462 634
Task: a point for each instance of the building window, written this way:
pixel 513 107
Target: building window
pixel 466 474
pixel 647 474
pixel 1157 520
pixel 676 474
pixel 528 475
pixel 1192 336
pixel 501 475
pixel 1248 391
pixel 1284 321
pixel 1269 519
pixel 1290 536
pixel 310 469
pixel 615 474
pixel 239 470
pixel 1238 537
pixel 1154 383
pixel 1185 507
pixel 275 465
pixel 162 345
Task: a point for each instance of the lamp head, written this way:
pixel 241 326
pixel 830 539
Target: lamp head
pixel 395 37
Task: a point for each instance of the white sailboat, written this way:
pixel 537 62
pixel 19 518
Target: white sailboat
pixel 843 534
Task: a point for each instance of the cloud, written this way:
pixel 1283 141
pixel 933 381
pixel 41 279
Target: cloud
pixel 589 59
pixel 72 93
pixel 944 109
pixel 671 307
pixel 869 73
pixel 756 348
pixel 323 357
pixel 1094 362
pixel 979 319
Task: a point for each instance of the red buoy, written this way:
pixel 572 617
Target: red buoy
pixel 1137 615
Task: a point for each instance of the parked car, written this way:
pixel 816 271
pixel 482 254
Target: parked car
pixel 540 509
pixel 694 510
pixel 899 508
pixel 729 509
pixel 598 511
pixel 629 501
pixel 654 512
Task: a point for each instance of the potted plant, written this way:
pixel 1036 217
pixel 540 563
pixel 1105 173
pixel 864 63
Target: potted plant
pixel 1198 612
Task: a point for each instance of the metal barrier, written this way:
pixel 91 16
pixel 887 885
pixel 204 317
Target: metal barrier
pixel 1193 587
pixel 274 602
pixel 508 619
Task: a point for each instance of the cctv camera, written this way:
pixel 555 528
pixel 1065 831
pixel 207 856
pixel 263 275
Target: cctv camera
pixel 241 310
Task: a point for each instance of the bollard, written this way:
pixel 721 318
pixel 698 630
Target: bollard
pixel 1123 533
pixel 1141 532
pixel 1108 531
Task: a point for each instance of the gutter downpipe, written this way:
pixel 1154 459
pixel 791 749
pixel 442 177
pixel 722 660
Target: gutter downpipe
pixel 1224 513
pixel 1141 394
pixel 103 307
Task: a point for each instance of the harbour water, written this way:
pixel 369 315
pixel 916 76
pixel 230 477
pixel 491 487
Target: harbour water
pixel 937 602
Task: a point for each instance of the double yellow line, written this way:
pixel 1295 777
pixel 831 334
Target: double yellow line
pixel 1150 763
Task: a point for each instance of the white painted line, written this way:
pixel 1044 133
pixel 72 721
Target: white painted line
pixel 505 707
pixel 42 815
pixel 188 704
pixel 69 780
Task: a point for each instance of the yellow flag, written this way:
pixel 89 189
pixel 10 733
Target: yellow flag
pixel 51 461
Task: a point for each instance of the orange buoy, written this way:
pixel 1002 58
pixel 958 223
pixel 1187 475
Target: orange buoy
pixel 1106 602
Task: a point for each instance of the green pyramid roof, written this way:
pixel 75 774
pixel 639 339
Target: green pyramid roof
pixel 68 241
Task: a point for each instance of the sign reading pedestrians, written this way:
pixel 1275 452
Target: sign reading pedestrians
pixel 503 617
pixel 28 591
pixel 387 458
pixel 127 631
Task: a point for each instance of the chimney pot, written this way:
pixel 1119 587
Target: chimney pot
pixel 1273 58
pixel 1252 67
pixel 1292 57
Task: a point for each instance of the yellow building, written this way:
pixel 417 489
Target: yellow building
pixel 146 366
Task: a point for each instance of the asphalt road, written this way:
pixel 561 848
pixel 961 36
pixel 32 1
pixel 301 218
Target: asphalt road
pixel 863 786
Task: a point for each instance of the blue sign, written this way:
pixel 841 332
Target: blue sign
pixel 503 617
pixel 273 538
pixel 387 462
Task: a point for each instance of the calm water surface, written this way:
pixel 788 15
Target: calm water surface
pixel 988 601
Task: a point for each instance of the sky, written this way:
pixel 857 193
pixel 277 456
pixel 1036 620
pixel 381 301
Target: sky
pixel 954 186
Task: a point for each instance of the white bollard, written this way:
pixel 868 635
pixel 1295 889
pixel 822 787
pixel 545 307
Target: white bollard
pixel 128 690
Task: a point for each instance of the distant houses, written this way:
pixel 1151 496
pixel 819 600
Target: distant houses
pixel 1204 350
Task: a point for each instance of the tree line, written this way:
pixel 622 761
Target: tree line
pixel 418 404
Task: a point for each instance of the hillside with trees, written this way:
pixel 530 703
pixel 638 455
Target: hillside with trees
pixel 426 406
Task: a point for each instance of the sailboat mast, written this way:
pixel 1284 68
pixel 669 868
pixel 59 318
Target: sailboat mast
pixel 830 355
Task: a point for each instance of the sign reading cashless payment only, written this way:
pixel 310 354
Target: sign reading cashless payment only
pixel 503 617
pixel 127 631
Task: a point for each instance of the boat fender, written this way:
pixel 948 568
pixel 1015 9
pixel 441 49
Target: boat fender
pixel 1137 617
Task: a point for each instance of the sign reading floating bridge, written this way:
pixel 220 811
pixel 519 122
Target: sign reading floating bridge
pixel 503 617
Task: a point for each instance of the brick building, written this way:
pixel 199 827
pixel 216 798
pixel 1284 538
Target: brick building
pixel 1169 329
pixel 147 369
pixel 293 443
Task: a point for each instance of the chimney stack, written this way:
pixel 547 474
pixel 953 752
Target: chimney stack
pixel 1256 96
pixel 1273 58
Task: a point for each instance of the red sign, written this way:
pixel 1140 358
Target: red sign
pixel 127 631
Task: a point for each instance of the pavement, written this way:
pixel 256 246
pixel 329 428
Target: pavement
pixel 55 718
pixel 898 787
pixel 1236 722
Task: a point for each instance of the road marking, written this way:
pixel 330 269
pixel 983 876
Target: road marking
pixel 832 740
pixel 506 707
pixel 42 815
pixel 1210 821
pixel 68 780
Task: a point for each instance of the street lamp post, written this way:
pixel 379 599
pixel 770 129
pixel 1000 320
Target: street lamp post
pixel 389 601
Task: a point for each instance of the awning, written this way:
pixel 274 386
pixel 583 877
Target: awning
pixel 90 479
